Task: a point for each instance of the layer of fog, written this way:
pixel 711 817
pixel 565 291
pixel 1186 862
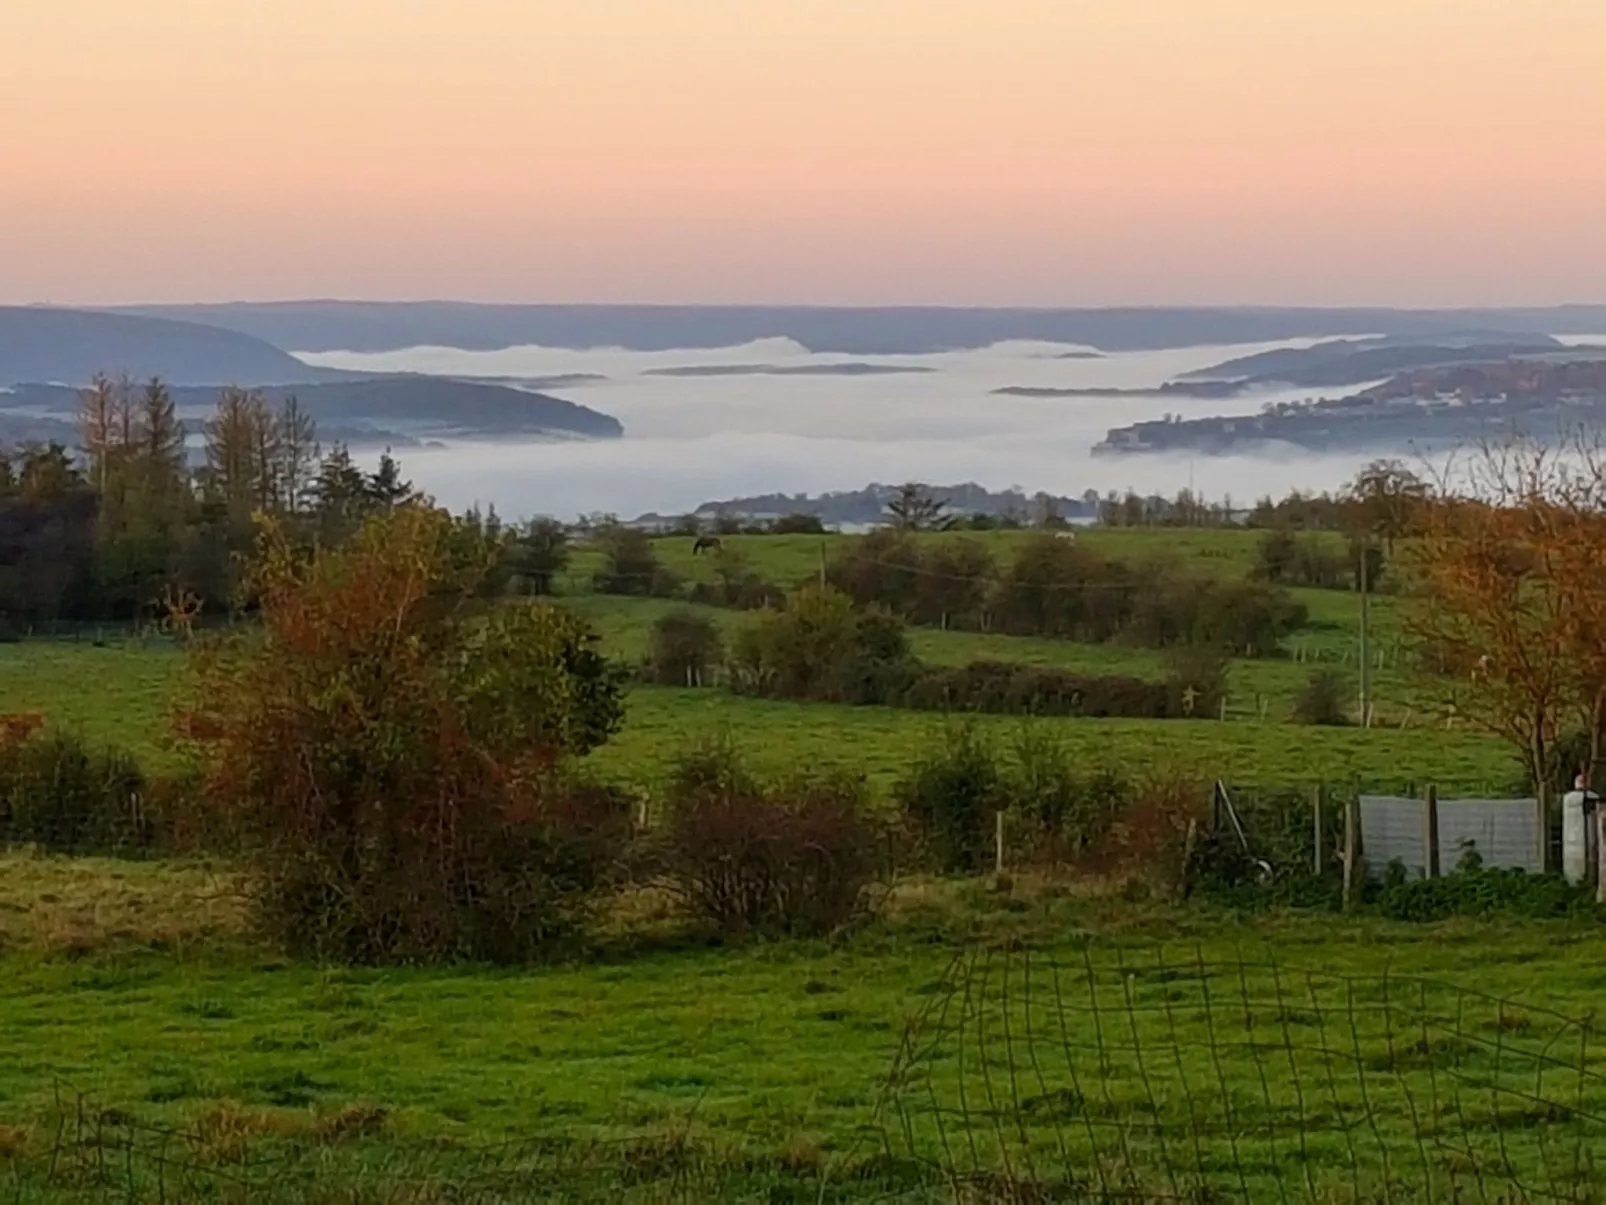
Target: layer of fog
pixel 693 440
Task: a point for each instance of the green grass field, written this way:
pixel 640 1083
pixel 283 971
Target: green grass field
pixel 774 1060
pixel 1045 1029
pixel 119 694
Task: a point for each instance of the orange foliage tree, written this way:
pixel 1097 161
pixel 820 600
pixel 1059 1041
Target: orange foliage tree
pixel 391 751
pixel 1510 600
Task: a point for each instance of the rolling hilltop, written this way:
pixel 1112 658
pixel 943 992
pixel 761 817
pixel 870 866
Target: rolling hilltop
pixel 46 355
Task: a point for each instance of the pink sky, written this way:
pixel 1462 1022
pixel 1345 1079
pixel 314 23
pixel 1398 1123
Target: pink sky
pixel 851 151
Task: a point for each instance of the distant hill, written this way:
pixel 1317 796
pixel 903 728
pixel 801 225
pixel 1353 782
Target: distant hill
pixel 1354 362
pixel 1420 411
pixel 318 326
pixel 411 407
pixel 71 346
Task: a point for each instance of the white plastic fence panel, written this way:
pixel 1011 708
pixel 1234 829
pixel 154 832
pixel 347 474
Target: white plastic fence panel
pixel 1505 832
pixel 1391 831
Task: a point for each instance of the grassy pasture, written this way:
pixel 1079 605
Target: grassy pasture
pixel 1207 1055
pixel 776 1057
pixel 119 694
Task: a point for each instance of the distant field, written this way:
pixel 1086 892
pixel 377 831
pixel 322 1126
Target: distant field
pixel 120 694
pixel 788 560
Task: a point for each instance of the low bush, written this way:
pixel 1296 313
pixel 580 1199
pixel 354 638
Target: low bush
pixel 1324 700
pixel 1476 890
pixel 798 525
pixel 1196 683
pixel 795 859
pixel 823 649
pixel 950 799
pixel 65 796
pixel 631 566
pixel 686 649
pixel 1014 688
pixel 1304 559
pixel 1064 809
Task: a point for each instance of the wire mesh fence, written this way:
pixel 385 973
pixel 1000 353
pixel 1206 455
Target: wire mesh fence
pixel 1148 1078
pixel 1128 1074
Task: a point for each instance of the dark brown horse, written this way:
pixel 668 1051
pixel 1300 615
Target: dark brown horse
pixel 706 544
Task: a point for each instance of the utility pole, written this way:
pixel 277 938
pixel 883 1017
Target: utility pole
pixel 1366 669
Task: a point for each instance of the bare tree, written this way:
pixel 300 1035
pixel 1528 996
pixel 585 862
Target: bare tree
pixel 298 453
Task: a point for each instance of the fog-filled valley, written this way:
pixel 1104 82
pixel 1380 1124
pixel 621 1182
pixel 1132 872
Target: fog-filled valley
pixel 704 425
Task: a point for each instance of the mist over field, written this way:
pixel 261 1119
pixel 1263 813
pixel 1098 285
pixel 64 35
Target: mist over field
pixel 771 415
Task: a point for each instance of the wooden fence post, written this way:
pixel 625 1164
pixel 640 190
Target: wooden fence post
pixel 1430 833
pixel 1316 831
pixel 1542 816
pixel 1352 849
pixel 998 841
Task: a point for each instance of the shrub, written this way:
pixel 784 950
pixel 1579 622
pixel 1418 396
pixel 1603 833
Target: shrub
pixel 630 565
pixel 1479 891
pixel 954 579
pixel 1013 688
pixel 394 757
pixel 1058 588
pixel 59 793
pixel 950 799
pixel 798 525
pixel 882 568
pixel 1311 559
pixel 1246 618
pixel 686 650
pixel 1196 683
pixel 821 648
pixel 1323 700
pixel 1066 808
pixel 793 860
pixel 736 585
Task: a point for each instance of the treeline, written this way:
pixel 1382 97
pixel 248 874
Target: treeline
pixel 822 648
pixel 1054 587
pixel 138 521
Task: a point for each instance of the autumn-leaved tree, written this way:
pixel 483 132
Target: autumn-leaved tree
pixel 1507 569
pixel 391 752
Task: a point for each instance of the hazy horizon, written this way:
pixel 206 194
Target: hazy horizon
pixel 850 152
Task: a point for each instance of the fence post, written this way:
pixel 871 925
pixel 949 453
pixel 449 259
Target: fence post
pixel 1430 833
pixel 1316 832
pixel 1352 851
pixel 998 841
pixel 1542 809
pixel 1600 853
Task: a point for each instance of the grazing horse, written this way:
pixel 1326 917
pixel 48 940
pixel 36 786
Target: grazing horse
pixel 706 544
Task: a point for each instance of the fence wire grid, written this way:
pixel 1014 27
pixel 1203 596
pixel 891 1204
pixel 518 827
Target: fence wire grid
pixel 1126 1075
pixel 1156 1079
